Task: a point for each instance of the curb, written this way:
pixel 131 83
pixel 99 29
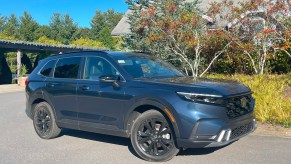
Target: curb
pixel 265 129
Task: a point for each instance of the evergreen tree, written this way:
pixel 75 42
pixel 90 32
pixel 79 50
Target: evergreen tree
pixel 69 28
pixel 42 31
pixel 5 72
pixel 2 22
pixel 101 20
pixel 97 23
pixel 82 33
pixel 28 27
pixel 105 37
pixel 62 28
pixel 12 27
pixel 56 27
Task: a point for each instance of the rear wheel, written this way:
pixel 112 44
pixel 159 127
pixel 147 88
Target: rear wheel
pixel 152 137
pixel 44 121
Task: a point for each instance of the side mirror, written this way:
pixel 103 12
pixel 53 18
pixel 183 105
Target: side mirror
pixel 108 78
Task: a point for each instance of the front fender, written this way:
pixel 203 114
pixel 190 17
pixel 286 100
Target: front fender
pixel 161 105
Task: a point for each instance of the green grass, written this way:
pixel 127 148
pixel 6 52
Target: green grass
pixel 271 104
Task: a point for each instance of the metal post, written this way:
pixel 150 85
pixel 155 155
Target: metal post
pixel 19 54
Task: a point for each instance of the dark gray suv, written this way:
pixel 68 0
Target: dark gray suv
pixel 138 96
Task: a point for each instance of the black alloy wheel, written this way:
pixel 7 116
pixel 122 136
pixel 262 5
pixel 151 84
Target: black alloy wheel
pixel 155 137
pixel 152 137
pixel 44 121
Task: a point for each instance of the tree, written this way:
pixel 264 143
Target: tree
pixel 258 28
pixel 5 72
pixel 46 40
pixel 43 30
pixel 82 33
pixel 27 63
pixel 11 28
pixel 87 43
pixel 6 37
pixel 28 27
pixel 62 28
pixel 97 23
pixel 174 29
pixel 2 22
pixel 101 20
pixel 56 27
pixel 105 37
pixel 69 28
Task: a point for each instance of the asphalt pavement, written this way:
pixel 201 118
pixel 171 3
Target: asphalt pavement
pixel 20 144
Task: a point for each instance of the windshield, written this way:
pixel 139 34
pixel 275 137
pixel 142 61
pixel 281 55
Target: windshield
pixel 145 66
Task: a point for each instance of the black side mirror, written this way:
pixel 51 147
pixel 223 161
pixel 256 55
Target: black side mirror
pixel 108 78
pixel 114 80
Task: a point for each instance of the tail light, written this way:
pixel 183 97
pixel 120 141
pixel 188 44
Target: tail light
pixel 26 82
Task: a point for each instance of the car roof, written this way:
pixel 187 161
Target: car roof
pixel 109 53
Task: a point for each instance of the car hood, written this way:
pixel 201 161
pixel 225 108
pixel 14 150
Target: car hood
pixel 204 85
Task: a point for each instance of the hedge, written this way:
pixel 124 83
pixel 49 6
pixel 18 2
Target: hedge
pixel 273 104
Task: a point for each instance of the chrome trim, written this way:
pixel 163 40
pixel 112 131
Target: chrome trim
pixel 198 94
pixel 221 136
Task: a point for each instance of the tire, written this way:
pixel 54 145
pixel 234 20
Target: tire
pixel 44 121
pixel 152 137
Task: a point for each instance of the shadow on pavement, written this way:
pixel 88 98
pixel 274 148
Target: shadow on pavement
pixel 126 142
pixel 100 137
pixel 201 151
pixel 197 151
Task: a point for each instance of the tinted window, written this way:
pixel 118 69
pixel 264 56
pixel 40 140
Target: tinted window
pixel 68 68
pixel 96 67
pixel 144 66
pixel 46 70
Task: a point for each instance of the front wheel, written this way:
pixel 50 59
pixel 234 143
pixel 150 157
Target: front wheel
pixel 152 137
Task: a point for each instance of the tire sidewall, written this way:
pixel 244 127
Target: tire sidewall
pixel 51 113
pixel 145 116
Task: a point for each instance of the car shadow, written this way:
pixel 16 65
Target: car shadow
pixel 126 142
pixel 99 137
pixel 201 151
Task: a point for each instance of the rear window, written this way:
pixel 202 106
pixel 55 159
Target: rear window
pixel 68 68
pixel 46 70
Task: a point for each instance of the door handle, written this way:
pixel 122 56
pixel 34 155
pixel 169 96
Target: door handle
pixel 84 88
pixel 50 84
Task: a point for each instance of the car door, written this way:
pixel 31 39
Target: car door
pixel 61 90
pixel 100 104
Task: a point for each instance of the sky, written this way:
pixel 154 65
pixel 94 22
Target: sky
pixel 82 11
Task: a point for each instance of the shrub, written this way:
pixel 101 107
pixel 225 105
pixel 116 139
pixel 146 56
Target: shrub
pixel 271 103
pixel 5 72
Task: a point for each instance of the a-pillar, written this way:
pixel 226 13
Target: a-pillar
pixel 19 54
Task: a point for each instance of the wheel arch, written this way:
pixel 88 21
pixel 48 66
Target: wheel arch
pixel 149 104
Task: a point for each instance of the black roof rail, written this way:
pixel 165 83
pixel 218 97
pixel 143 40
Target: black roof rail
pixel 79 52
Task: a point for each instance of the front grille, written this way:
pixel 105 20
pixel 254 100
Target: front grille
pixel 241 130
pixel 238 106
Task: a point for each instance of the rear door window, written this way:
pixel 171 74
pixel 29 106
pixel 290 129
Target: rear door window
pixel 68 68
pixel 47 69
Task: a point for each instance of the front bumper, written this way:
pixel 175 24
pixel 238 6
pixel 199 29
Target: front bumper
pixel 227 135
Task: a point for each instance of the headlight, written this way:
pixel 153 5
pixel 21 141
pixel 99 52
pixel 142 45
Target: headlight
pixel 202 98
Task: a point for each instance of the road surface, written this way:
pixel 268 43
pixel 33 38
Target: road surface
pixel 20 144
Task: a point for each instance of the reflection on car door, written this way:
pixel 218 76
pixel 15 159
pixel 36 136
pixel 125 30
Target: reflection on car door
pixel 100 104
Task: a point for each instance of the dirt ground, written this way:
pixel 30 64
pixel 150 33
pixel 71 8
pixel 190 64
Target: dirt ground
pixel 265 129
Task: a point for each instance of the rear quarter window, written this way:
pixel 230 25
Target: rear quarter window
pixel 68 68
pixel 47 69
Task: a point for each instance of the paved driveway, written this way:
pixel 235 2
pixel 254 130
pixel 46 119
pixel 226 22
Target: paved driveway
pixel 20 144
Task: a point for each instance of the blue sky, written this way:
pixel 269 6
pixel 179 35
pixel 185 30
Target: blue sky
pixel 81 11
